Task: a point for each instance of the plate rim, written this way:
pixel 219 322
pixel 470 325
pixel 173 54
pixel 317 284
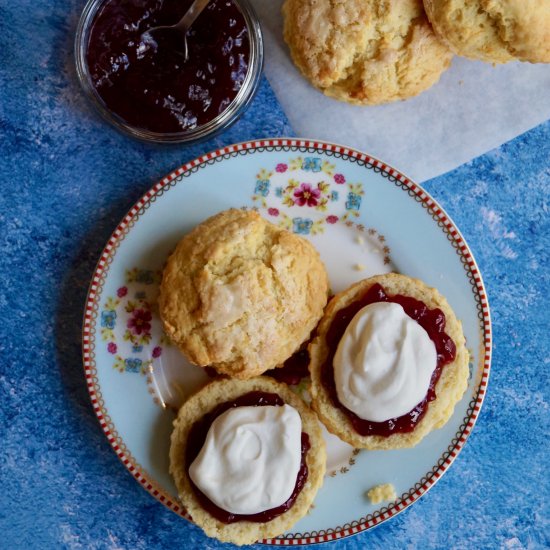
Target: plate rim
pixel 302 145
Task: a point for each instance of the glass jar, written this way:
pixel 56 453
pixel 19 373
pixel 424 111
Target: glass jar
pixel 222 121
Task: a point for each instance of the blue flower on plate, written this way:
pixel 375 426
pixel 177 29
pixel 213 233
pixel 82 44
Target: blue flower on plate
pixel 353 202
pixel 145 276
pixel 108 318
pixel 312 164
pixel 334 196
pixel 137 349
pixel 302 225
pixel 262 187
pixel 132 365
pixel 279 192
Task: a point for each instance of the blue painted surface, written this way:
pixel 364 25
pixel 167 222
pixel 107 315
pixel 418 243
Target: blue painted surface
pixel 67 179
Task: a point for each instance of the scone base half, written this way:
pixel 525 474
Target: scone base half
pixel 221 391
pixel 449 389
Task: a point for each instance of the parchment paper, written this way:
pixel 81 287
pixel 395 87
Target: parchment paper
pixel 474 108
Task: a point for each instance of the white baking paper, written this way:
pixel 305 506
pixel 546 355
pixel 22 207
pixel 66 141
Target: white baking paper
pixel 474 108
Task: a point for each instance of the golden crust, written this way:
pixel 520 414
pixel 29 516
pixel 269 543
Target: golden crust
pixel 496 31
pixel 365 52
pixel 241 295
pixel 223 390
pixel 449 389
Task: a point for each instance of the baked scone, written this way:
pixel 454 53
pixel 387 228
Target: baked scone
pixel 365 52
pixel 240 294
pixel 385 365
pixel 496 31
pixel 196 417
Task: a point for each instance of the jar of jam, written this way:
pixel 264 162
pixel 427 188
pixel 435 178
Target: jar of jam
pixel 142 83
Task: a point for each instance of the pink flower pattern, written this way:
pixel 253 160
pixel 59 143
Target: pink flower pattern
pixel 281 168
pixel 306 195
pixel 121 292
pixel 157 352
pixel 339 179
pixel 273 211
pixel 140 322
pixel 112 347
pixel 332 219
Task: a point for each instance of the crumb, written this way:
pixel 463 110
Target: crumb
pixel 359 267
pixel 375 250
pixel 380 493
pixel 460 82
pixel 359 240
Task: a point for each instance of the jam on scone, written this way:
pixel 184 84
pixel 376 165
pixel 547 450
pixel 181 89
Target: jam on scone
pixel 388 364
pixel 247 457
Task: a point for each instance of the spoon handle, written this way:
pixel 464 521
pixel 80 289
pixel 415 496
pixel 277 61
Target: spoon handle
pixel 192 13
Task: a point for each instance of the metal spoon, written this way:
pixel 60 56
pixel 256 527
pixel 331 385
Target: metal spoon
pixel 182 26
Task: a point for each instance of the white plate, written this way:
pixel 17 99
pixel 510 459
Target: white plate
pixel 364 218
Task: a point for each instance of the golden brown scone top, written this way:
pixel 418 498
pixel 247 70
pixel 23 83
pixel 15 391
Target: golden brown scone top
pixel 240 294
pixel 365 51
pixel 496 31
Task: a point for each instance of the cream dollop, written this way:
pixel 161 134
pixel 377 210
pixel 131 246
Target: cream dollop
pixel 383 363
pixel 250 459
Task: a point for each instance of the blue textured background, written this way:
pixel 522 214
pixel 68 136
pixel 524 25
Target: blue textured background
pixel 67 179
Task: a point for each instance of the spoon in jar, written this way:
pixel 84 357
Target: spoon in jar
pixel 179 30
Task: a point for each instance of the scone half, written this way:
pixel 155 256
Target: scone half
pixel 449 388
pixel 204 403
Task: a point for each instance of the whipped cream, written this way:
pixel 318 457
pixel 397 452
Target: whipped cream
pixel 383 363
pixel 250 459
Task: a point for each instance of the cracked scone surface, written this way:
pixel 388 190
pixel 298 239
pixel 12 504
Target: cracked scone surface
pixel 365 52
pixel 496 31
pixel 240 294
pixel 449 389
pixel 204 401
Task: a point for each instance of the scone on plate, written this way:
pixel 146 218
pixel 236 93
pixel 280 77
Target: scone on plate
pixel 496 31
pixel 365 52
pixel 247 457
pixel 388 364
pixel 241 295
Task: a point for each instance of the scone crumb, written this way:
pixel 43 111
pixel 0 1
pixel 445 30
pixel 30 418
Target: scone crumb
pixel 359 267
pixel 381 493
pixel 359 240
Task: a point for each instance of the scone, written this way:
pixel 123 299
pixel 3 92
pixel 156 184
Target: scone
pixel 388 364
pixel 241 295
pixel 365 52
pixel 247 457
pixel 496 31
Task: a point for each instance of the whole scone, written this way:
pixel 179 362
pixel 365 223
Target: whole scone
pixel 496 31
pixel 206 400
pixel 449 389
pixel 365 52
pixel 240 294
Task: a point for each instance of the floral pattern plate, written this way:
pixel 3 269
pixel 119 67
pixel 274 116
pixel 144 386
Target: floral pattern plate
pixel 364 218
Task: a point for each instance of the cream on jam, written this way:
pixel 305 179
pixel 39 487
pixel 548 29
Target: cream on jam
pixel 384 363
pixel 196 440
pixel 250 459
pixel 431 320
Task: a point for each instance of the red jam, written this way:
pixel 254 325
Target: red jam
pixel 146 81
pixel 431 320
pixel 197 437
pixel 293 370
